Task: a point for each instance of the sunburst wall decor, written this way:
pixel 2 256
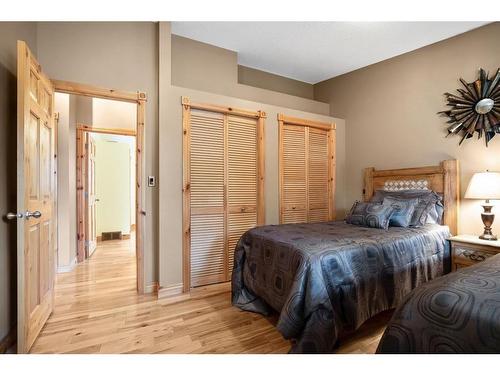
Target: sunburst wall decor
pixel 476 109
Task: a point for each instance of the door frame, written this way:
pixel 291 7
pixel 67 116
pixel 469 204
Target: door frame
pixel 139 98
pixel 81 181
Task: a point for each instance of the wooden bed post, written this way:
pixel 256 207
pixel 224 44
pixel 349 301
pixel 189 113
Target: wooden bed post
pixel 368 184
pixel 451 194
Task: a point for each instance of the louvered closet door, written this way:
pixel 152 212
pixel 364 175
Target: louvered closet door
pixel 241 180
pixel 318 175
pixel 294 174
pixel 207 198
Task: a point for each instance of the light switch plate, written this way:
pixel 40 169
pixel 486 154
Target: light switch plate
pixel 151 181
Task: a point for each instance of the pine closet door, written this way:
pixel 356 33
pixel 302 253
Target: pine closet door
pixel 207 198
pixel 307 170
pixel 223 185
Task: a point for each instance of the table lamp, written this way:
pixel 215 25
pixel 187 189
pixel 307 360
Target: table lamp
pixel 485 185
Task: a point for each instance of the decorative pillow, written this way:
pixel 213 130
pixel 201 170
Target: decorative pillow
pixel 404 211
pixel 435 215
pixel 373 215
pixel 427 199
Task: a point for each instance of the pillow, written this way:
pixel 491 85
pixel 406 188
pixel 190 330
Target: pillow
pixel 373 215
pixel 427 199
pixel 435 215
pixel 404 211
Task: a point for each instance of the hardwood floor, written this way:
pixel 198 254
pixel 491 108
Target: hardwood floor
pixel 97 310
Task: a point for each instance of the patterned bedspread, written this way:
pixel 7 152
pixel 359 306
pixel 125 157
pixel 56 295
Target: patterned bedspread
pixel 458 313
pixel 330 277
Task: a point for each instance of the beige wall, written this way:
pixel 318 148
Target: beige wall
pixel 258 78
pixel 10 32
pixel 112 114
pixel 390 111
pixel 208 68
pixel 119 55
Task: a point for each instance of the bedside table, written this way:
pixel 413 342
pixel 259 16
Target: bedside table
pixel 467 250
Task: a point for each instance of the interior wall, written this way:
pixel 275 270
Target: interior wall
pixel 390 109
pixel 113 114
pixel 119 55
pixel 10 32
pixel 204 67
pixel 112 177
pixel 264 80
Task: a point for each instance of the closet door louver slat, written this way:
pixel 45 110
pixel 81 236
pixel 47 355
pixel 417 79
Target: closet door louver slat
pixel 207 197
pixel 241 180
pixel 294 182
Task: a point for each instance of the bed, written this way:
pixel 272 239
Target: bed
pixel 458 313
pixel 326 279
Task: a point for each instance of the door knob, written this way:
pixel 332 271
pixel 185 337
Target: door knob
pixel 35 214
pixel 12 216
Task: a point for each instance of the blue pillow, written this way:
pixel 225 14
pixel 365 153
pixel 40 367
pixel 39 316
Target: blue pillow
pixel 368 214
pixel 404 210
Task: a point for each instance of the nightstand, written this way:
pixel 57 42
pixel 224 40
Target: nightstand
pixel 467 250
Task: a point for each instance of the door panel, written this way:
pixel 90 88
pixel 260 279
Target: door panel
pixel 294 174
pixel 207 198
pixel 36 192
pixel 242 181
pixel 318 175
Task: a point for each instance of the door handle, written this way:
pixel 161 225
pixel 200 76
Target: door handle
pixel 12 216
pixel 35 214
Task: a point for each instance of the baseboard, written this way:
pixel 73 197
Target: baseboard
pixel 170 291
pixel 151 288
pixel 8 341
pixel 68 268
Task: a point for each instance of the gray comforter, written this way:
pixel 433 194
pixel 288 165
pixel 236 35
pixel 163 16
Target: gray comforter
pixel 458 313
pixel 327 278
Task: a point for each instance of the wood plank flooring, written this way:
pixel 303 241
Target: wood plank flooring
pixel 97 310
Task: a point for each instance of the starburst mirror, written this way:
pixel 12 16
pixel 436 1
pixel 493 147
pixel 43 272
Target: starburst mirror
pixel 475 109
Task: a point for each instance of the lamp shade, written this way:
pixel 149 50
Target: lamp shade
pixel 484 185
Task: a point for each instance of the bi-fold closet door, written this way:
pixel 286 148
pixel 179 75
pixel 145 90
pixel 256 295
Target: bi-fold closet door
pixel 307 170
pixel 223 187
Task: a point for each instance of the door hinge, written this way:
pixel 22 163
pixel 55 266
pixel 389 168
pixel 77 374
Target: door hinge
pixel 86 194
pixel 87 243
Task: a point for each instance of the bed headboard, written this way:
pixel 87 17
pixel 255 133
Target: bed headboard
pixel 442 178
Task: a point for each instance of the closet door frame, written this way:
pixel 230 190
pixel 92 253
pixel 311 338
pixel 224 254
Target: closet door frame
pixel 187 106
pixel 330 128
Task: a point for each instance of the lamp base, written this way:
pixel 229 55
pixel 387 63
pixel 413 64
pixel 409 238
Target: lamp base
pixel 487 216
pixel 488 237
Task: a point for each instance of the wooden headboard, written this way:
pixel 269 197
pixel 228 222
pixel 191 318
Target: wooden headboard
pixel 442 178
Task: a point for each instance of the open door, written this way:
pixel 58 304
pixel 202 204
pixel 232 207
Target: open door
pixel 91 235
pixel 35 197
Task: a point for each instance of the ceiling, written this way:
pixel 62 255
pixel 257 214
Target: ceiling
pixel 314 51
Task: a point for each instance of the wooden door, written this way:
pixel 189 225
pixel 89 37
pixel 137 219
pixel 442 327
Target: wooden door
pixel 318 175
pixel 90 235
pixel 242 181
pixel 207 221
pixel 223 187
pixel 307 170
pixel 36 194
pixel 294 174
